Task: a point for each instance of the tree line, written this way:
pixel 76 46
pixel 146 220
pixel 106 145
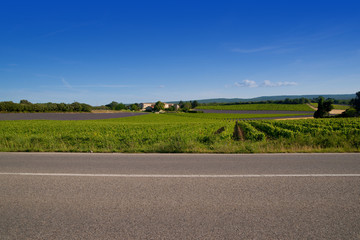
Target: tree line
pixel 325 106
pixel 354 111
pixel 285 101
pixel 158 106
pixel 26 106
pixel 120 106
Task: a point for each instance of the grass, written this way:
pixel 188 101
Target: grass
pixel 337 107
pixel 146 133
pixel 268 107
pixel 180 133
pixel 229 116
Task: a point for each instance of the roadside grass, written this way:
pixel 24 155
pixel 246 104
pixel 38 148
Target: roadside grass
pixel 180 133
pixel 268 107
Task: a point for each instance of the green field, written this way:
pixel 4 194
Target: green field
pixel 339 107
pixel 229 116
pixel 180 133
pixel 271 107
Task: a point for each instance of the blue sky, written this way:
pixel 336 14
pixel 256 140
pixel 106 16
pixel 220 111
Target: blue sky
pixel 140 51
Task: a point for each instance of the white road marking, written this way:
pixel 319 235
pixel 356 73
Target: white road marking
pixel 180 175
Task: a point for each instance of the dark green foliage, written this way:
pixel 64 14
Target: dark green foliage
pixel 193 111
pixel 85 107
pixel 116 106
pixel 159 106
pixel 9 107
pixel 356 102
pixel 134 107
pixel 194 104
pixel 351 112
pixel 186 107
pixel 26 106
pixel 120 106
pixel 220 130
pixel 112 105
pixel 171 108
pixel 23 101
pixel 324 107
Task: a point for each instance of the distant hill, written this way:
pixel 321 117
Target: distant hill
pixel 273 98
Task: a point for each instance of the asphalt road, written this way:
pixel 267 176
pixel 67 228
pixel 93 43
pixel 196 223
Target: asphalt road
pixel 184 196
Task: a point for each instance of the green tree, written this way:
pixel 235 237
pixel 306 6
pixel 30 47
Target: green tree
pixel 112 105
pixel 159 106
pixel 194 104
pixel 355 102
pixel 62 107
pixel 120 106
pixel 324 107
pixel 134 107
pixel 23 101
pixel 171 108
pixel 85 107
pixel 76 107
pixel 9 106
pixel 186 107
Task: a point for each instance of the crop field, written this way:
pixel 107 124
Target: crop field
pixel 180 133
pixel 257 107
pixel 238 116
pixel 336 106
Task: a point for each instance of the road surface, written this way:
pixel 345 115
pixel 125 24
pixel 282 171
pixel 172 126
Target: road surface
pixel 179 196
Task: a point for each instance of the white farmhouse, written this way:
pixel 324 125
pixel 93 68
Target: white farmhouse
pixel 150 106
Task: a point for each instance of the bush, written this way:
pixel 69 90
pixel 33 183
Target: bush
pixel 351 112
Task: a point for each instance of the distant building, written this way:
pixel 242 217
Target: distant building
pixel 150 106
pixel 146 106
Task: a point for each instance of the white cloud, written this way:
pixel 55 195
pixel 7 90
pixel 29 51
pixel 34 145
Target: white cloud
pixel 246 83
pixel 66 84
pixel 268 83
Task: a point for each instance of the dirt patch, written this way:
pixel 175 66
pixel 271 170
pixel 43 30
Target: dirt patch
pixel 238 134
pixel 336 111
pixel 293 118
